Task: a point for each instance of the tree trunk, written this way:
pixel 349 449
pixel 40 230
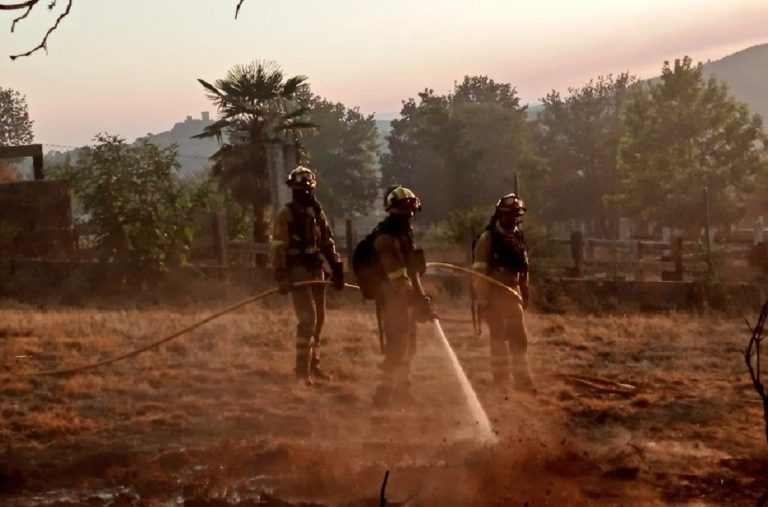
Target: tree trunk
pixel 261 222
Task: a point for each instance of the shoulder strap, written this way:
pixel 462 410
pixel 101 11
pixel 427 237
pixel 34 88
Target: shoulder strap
pixel 319 215
pixel 298 238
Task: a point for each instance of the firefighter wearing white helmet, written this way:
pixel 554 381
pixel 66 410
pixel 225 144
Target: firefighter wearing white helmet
pixel 501 253
pixel 400 298
pixel 301 238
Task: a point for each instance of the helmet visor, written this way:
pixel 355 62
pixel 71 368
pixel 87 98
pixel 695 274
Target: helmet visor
pixel 410 205
pixel 512 205
pixel 303 179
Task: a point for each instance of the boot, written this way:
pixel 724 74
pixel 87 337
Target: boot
pixel 402 394
pixel 319 374
pixel 523 380
pixel 382 396
pixel 302 369
pixel 314 365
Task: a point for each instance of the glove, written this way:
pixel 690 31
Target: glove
pixel 284 284
pixel 526 295
pixel 424 309
pixel 337 275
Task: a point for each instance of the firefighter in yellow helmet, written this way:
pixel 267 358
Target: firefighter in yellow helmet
pixel 301 238
pixel 400 298
pixel 501 253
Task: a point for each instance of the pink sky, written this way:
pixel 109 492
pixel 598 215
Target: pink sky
pixel 130 67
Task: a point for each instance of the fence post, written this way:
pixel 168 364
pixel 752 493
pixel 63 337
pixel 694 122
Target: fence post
pixel 577 252
pixel 758 234
pixel 639 272
pixel 222 238
pixel 351 240
pixel 708 230
pixel 677 256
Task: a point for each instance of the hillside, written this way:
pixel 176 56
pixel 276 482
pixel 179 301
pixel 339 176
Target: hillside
pixel 746 73
pixel 193 153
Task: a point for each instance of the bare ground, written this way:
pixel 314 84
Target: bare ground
pixel 216 417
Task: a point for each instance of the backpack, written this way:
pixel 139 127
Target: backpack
pixel 367 266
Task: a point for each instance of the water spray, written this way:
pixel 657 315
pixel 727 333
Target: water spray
pixel 485 431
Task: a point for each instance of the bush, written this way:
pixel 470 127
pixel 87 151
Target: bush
pixel 139 206
pixel 460 227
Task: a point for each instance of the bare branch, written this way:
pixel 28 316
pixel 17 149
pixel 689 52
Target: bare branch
pixel 752 358
pixel 237 10
pixel 29 9
pixel 15 7
pixel 30 4
pixel 44 42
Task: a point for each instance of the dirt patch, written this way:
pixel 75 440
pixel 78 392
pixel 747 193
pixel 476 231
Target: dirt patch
pixel 216 418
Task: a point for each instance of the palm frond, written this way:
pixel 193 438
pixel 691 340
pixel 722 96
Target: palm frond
pixel 212 89
pixel 292 85
pixel 301 111
pixel 297 125
pixel 215 129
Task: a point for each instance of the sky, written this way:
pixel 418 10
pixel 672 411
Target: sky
pixel 131 67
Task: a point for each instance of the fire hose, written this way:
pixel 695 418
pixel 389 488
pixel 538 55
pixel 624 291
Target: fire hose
pixel 232 308
pixel 192 327
pixel 271 292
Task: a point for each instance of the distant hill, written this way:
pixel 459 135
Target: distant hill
pixel 746 73
pixel 193 153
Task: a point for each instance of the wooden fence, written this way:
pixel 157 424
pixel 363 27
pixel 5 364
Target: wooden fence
pixel 678 259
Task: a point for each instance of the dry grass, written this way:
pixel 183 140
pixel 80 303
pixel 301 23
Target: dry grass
pixel 218 415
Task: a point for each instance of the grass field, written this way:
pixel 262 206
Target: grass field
pixel 216 417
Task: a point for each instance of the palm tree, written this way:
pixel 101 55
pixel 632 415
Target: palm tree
pixel 257 106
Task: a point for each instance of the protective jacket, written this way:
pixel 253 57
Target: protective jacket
pixel 503 256
pixel 301 235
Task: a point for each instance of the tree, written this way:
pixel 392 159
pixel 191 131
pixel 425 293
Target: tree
pixel 26 7
pixel 257 107
pixel 343 153
pixel 460 151
pixel 684 133
pixel 132 194
pixel 15 125
pixel 579 137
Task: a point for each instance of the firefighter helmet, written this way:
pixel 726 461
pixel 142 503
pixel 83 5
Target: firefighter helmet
pixel 301 178
pixel 512 204
pixel 401 200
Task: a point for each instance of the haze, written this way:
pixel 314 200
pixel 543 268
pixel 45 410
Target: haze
pixel 130 68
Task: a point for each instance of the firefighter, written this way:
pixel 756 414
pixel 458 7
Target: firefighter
pixel 501 253
pixel 400 298
pixel 301 238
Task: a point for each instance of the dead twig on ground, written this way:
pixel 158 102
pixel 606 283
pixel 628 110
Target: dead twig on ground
pixel 598 384
pixel 752 358
pixel 383 494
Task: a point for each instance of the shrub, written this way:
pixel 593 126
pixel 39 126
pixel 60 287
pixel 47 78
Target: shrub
pixel 139 206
